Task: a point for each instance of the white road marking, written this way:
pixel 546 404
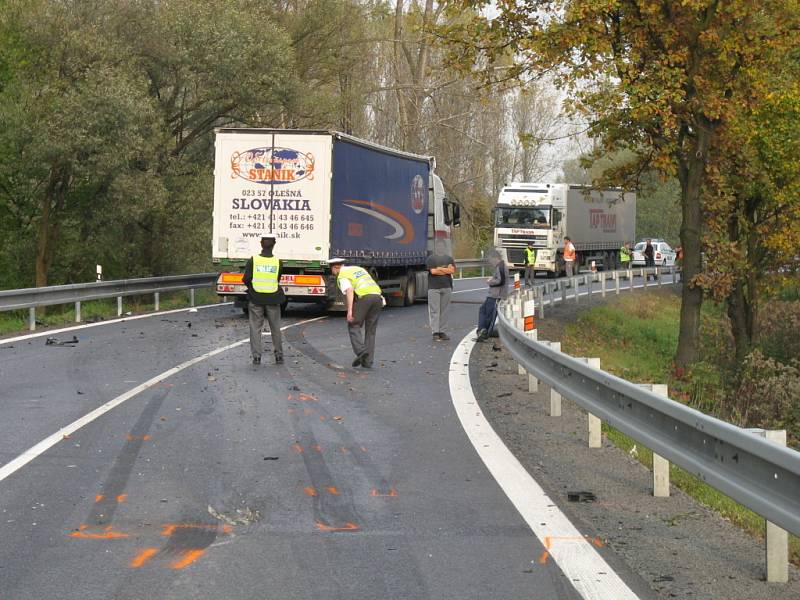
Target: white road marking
pixel 50 441
pixel 583 567
pixel 29 336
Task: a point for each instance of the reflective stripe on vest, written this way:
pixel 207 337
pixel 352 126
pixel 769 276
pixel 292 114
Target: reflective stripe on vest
pixel 361 281
pixel 569 252
pixel 530 256
pixel 624 254
pixel 265 274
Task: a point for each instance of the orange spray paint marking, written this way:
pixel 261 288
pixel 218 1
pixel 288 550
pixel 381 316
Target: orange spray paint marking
pixel 99 498
pixel 331 489
pixel 364 450
pixel 392 493
pixel 317 447
pixel 345 450
pixel 548 541
pixel 290 397
pixel 307 398
pixel 342 375
pixel 143 556
pixel 188 558
pixel 106 534
pixel 297 448
pixel 169 528
pixel 291 411
pixel 322 418
pixel 346 527
pixel 543 557
pixel 121 498
pixel 130 437
pixel 310 491
pixel 308 411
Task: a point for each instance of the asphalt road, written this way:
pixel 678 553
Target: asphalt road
pixel 225 480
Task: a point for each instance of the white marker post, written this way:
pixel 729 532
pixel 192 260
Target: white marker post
pixel 529 327
pixel 595 425
pixel 99 273
pixel 660 464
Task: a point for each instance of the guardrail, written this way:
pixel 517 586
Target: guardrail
pixel 76 293
pixel 761 475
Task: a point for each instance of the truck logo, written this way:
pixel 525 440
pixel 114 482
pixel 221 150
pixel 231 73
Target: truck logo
pixel 403 230
pixel 417 194
pixel 600 220
pixel 272 165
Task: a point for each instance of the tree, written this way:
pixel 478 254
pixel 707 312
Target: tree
pixel 655 77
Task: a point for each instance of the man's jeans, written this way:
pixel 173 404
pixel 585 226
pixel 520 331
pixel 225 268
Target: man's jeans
pixel 487 313
pixel 438 301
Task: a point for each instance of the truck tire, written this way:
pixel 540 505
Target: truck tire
pixel 410 289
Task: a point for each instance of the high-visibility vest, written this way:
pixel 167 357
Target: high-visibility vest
pixel 624 255
pixel 530 256
pixel 265 274
pixel 361 281
pixel 569 251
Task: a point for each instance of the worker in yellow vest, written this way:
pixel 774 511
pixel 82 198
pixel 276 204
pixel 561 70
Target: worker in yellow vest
pixel 364 303
pixel 262 275
pixel 530 261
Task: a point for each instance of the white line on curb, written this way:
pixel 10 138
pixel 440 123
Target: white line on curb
pixel 583 567
pixel 50 441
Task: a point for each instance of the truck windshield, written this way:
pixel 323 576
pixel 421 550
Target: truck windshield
pixel 522 216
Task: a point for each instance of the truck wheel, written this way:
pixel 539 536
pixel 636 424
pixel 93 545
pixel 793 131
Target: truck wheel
pixel 410 290
pixel 284 304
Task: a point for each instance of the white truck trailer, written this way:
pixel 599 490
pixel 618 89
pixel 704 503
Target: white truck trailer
pixel 597 221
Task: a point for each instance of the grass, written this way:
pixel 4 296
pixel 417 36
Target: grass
pixel 635 338
pixel 64 315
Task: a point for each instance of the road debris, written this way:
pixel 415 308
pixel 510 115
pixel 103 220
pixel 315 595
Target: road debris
pixel 581 497
pixel 54 341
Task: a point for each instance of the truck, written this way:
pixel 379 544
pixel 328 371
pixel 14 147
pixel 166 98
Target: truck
pixel 598 222
pixel 323 195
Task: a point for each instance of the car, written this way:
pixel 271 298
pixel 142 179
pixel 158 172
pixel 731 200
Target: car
pixel 663 254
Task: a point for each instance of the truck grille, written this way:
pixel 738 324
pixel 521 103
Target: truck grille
pixel 515 255
pixel 539 239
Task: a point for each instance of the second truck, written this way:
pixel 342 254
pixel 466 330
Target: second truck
pixel 325 194
pixel 598 222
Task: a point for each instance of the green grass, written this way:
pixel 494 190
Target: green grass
pixel 64 315
pixel 636 339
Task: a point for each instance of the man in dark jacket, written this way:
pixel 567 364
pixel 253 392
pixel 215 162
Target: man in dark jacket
pixel 498 290
pixel 649 257
pixel 262 276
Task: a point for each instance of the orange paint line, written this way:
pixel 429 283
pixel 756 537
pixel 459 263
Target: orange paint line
pixel 307 398
pixel 106 534
pixel 392 493
pixel 345 450
pixel 342 375
pixel 130 437
pixel 346 527
pixel 364 450
pixel 121 498
pixel 290 397
pixel 98 498
pixel 322 418
pixel 297 448
pixel 597 542
pixel 188 558
pixel 332 490
pixel 143 556
pixel 317 447
pixel 543 557
pixel 169 528
pixel 310 491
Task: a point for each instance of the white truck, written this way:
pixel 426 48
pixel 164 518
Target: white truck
pixel 598 222
pixel 325 194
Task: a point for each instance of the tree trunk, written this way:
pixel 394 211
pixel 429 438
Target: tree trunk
pixel 691 174
pixel 43 242
pixel 739 315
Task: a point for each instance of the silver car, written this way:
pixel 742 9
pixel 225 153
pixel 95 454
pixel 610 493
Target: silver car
pixel 663 254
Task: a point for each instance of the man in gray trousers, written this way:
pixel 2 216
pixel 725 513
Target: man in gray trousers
pixel 441 267
pixel 262 275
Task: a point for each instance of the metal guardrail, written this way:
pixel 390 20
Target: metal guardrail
pixel 759 474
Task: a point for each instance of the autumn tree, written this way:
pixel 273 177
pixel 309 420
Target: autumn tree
pixel 655 77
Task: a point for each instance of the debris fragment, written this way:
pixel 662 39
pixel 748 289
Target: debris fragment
pixel 271 458
pixel 54 341
pixel 581 497
pixel 504 394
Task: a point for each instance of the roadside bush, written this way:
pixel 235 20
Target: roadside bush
pixel 779 335
pixel 768 396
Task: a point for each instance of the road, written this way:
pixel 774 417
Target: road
pixel 207 477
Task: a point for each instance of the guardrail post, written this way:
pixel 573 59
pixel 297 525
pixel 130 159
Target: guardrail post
pixel 588 280
pixel 563 291
pixel 555 397
pixel 191 297
pixel 616 282
pixel 156 301
pixel 529 327
pixel 575 288
pixel 119 306
pixel 595 425
pixel 541 302
pixel 78 311
pixel 660 464
pixel 777 546
pixel 32 318
pixel 603 285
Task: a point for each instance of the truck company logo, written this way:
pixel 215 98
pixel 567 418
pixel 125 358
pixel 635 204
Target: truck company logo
pixel 417 194
pixel 600 220
pixel 272 165
pixel 403 230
